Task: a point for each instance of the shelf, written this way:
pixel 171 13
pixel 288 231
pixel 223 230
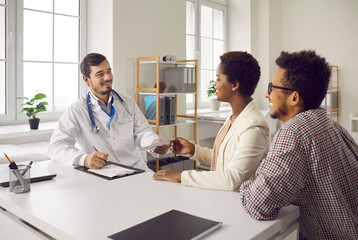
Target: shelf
pixel 151 93
pixel 353 124
pixel 178 122
pixel 354 117
pixel 167 63
pixel 332 96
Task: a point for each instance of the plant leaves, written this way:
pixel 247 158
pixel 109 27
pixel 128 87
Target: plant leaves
pixel 211 90
pixel 31 110
pixel 38 97
pixel 41 107
pixel 43 103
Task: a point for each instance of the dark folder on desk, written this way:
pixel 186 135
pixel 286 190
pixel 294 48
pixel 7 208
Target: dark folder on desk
pixel 37 174
pixel 174 225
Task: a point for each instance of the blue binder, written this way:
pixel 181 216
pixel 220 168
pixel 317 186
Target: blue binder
pixel 151 108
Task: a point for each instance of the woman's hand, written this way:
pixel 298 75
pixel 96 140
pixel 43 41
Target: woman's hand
pixel 169 175
pixel 182 146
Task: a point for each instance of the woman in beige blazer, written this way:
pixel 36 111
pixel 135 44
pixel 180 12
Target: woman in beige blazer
pixel 243 140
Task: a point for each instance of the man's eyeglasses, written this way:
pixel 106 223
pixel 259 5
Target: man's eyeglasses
pixel 270 86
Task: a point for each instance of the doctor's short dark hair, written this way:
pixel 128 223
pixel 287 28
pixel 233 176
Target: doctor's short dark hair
pixel 92 59
pixel 308 74
pixel 241 67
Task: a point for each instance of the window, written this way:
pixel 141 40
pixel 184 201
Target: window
pixel 3 56
pixel 205 40
pixel 48 48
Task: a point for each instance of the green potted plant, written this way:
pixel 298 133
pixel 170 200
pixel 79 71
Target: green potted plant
pixel 31 109
pixel 211 93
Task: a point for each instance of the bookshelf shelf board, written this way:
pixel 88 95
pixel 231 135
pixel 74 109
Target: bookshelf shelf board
pixel 151 93
pixel 178 122
pixel 167 63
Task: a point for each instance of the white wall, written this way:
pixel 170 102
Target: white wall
pixel 239 25
pixel 100 27
pixel 328 26
pixel 254 26
pixel 124 30
pixel 261 48
pixel 331 28
pixel 145 28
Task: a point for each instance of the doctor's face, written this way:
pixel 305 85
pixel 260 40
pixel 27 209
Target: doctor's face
pixel 101 79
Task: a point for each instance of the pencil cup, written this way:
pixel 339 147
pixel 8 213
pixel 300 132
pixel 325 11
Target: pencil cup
pixel 19 179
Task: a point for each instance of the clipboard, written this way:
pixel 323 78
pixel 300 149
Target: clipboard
pixel 136 171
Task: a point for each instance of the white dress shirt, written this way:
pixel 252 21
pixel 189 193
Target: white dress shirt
pixel 119 138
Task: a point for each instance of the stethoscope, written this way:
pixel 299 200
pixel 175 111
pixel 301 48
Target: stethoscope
pixel 95 128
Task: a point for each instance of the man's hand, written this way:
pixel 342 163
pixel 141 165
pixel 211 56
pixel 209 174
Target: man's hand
pixel 160 149
pixel 96 160
pixel 169 175
pixel 182 146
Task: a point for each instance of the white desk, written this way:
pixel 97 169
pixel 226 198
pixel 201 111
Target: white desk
pixel 77 205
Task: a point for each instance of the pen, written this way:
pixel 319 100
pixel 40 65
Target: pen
pixel 23 174
pixel 12 164
pixel 97 151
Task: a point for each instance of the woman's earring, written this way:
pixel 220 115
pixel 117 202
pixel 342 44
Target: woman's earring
pixel 233 89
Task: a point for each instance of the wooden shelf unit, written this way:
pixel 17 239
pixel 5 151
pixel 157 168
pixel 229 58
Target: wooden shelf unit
pixel 334 87
pixel 155 91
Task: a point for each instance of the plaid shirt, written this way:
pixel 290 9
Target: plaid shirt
pixel 312 163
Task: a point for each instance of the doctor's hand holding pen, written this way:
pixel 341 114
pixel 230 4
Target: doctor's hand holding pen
pixel 96 159
pixel 161 149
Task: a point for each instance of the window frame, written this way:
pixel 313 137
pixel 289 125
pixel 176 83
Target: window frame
pixel 215 4
pixel 10 61
pixel 14 64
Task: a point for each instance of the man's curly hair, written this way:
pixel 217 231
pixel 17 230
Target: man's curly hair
pixel 308 74
pixel 243 68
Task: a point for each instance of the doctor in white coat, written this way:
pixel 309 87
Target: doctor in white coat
pixel 105 124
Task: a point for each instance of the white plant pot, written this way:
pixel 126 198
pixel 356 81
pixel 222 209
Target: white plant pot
pixel 214 104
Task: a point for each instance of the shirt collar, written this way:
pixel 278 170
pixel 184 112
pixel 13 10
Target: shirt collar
pixel 99 101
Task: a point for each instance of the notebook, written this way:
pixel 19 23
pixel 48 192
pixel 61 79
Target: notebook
pixel 37 173
pixel 174 225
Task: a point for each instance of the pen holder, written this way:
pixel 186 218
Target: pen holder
pixel 19 179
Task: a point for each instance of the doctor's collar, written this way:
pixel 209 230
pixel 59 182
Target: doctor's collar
pixel 99 100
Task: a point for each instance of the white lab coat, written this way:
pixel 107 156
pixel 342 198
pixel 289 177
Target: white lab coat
pixel 128 130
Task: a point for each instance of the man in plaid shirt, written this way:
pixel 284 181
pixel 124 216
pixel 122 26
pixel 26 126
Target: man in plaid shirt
pixel 312 162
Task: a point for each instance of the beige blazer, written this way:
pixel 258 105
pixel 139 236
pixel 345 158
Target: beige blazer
pixel 240 153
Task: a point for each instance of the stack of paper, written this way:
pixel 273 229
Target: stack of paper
pixel 112 170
